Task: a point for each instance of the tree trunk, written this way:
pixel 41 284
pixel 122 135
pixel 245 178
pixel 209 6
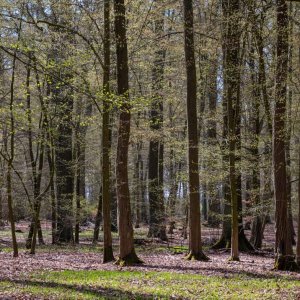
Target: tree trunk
pixel 106 144
pixel 157 226
pixel 127 251
pixel 213 201
pixel 36 168
pixel 232 74
pixel 99 215
pixel 64 166
pixel 283 246
pixel 195 244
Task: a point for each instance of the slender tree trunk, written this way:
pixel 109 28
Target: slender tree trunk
pixel 99 216
pixel 225 238
pixel 106 211
pixel 157 226
pixel 77 180
pixel 213 203
pixel 11 154
pixel 36 163
pixel 195 244
pixel 127 251
pixel 257 224
pixel 232 74
pixel 139 179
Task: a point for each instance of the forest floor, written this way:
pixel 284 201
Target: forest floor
pixel 77 272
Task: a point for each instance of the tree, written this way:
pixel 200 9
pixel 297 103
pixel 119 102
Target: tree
pixel 157 226
pixel 231 74
pixel 62 96
pixel 107 239
pixel 195 243
pixel 285 259
pixel 127 251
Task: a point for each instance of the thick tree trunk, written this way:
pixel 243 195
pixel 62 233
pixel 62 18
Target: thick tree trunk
pixel 285 259
pixel 127 251
pixel 195 244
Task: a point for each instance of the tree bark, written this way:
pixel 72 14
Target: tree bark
pixel 195 244
pixel 283 246
pixel 157 226
pixel 106 145
pixel 232 74
pixel 127 251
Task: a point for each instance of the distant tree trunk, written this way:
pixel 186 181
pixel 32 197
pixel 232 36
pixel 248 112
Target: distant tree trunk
pixel 52 199
pixel 232 74
pixel 257 224
pixel 225 238
pixel 262 80
pixel 10 150
pixel 80 165
pixel 195 244
pixel 144 204
pixel 213 203
pixel 283 246
pixel 139 172
pixel 157 226
pixel 64 164
pixel 174 169
pixel 106 144
pixel 36 163
pixel 243 243
pixel 232 233
pixel 127 251
pixel 99 215
pixel 77 180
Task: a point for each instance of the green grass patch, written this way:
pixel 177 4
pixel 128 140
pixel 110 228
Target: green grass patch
pixel 150 285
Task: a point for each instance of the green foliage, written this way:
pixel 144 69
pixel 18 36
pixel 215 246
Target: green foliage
pixel 150 285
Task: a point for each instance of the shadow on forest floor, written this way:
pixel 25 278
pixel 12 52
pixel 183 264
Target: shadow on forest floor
pixel 108 293
pixel 223 272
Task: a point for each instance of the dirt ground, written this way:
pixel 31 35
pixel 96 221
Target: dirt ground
pixel 156 256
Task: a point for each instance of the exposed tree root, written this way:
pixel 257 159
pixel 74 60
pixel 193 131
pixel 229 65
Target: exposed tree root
pixel 286 263
pixel 197 256
pixel 108 255
pixel 128 260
